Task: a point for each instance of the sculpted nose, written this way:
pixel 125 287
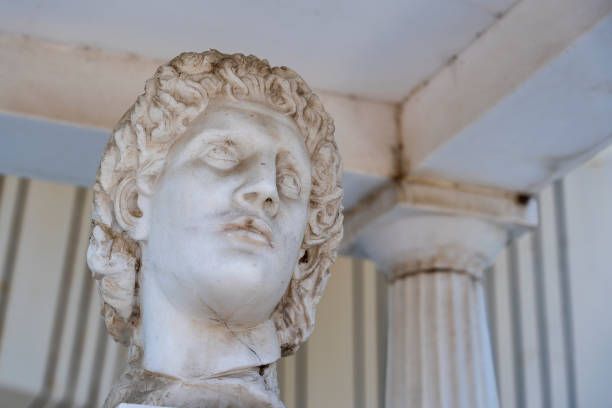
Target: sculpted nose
pixel 259 193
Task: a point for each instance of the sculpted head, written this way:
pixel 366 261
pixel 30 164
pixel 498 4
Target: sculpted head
pixel 223 179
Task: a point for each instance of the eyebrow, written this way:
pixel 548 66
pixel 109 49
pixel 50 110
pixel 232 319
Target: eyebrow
pixel 286 155
pixel 216 135
pixel 219 136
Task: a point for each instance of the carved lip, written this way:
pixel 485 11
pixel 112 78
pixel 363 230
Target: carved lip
pixel 254 229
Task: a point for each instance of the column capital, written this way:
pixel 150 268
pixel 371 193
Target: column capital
pixel 433 240
pixel 419 225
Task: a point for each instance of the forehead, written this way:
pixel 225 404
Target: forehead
pixel 249 123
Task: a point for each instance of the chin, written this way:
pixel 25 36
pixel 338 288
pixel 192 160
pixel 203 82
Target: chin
pixel 241 309
pixel 246 296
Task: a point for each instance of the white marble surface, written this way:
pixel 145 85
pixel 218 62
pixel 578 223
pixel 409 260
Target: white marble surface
pixel 439 340
pixel 220 239
pixel 217 213
pixel 124 405
pixel 439 351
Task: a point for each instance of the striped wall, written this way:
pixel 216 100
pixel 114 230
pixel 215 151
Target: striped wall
pixel 548 294
pixel 53 346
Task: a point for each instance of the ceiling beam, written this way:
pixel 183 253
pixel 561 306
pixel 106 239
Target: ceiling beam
pixel 91 87
pixel 522 105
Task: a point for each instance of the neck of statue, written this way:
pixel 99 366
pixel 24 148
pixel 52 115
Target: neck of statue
pixel 177 345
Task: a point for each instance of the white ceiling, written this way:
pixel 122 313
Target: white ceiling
pixel 374 49
pixel 563 114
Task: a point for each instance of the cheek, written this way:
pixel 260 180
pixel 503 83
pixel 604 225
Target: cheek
pixel 292 226
pixel 183 218
pixel 186 199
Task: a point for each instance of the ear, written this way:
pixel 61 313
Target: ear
pixel 132 209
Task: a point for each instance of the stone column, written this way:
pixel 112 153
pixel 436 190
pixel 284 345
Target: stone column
pixel 434 252
pixel 439 350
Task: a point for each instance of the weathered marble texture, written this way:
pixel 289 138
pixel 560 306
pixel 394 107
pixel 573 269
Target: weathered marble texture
pixel 438 350
pixel 217 213
pixel 438 329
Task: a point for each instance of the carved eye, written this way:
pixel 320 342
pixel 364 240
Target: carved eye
pixel 221 156
pixel 288 185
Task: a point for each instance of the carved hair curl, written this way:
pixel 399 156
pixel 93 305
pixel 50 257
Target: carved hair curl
pixel 178 92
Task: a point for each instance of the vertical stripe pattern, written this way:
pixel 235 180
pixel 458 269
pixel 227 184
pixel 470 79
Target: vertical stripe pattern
pixel 80 373
pixel 491 303
pixel 301 377
pixel 517 328
pixel 93 393
pixel 78 340
pixel 8 268
pixel 439 343
pixel 566 294
pixel 358 336
pixel 1 188
pixel 382 328
pixel 542 329
pixel 62 299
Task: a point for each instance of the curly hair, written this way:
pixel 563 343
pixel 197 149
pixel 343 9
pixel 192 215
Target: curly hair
pixel 178 92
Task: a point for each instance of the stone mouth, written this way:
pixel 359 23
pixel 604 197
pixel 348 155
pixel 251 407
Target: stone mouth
pixel 252 228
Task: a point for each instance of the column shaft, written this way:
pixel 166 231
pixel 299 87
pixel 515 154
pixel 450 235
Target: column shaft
pixel 434 251
pixel 439 352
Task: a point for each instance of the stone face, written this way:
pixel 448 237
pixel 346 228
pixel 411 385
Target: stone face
pixel 217 213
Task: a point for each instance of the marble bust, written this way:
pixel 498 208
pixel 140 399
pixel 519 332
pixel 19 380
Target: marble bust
pixel 217 214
